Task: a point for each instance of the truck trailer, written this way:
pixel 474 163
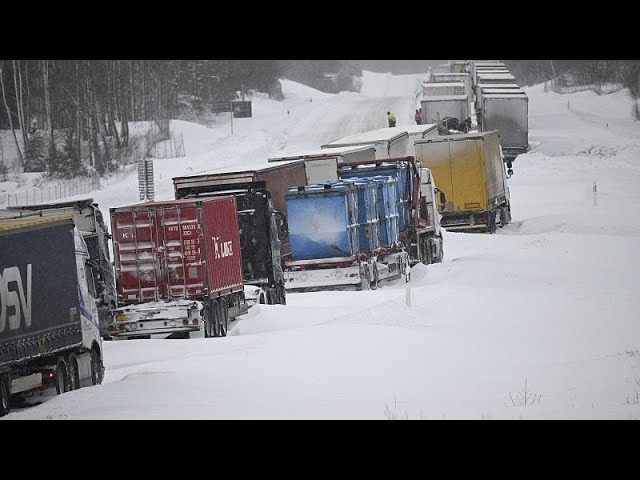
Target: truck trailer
pixel 470 174
pixel 335 244
pixel 49 329
pixel 90 222
pixel 338 241
pixel 178 268
pixel 388 143
pixel 435 109
pixel 507 112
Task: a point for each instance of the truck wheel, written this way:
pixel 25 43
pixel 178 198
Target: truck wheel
pixel 207 320
pixel 223 318
pixel 73 372
pixel 97 369
pixel 62 378
pixel 215 313
pixel 492 221
pixel 5 395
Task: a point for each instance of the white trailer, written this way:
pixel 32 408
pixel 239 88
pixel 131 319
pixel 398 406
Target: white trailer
pixel 507 113
pixel 434 109
pixel 322 164
pixel 388 142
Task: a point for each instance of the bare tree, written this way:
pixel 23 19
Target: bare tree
pixel 6 106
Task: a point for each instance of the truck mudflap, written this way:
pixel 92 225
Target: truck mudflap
pixel 157 318
pixel 323 279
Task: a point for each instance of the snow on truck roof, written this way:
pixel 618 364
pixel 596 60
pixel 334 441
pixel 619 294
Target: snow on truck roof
pixel 415 129
pixel 324 152
pixel 458 83
pixel 444 98
pixel 372 136
pixel 8 224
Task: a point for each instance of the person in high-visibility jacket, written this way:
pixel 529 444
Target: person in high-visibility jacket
pixel 392 119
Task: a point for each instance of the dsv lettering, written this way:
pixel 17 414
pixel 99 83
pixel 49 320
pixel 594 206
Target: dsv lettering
pixel 20 300
pixel 222 249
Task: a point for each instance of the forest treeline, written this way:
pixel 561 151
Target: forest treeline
pixel 66 115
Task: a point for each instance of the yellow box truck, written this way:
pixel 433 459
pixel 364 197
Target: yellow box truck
pixel 470 174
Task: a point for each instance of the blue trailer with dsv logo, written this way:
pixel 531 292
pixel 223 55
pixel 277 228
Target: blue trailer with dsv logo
pixel 49 328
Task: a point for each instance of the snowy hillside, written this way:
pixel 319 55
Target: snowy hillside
pixel 538 321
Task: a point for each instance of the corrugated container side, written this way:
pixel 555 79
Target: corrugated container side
pixel 39 307
pixel 222 243
pixel 176 249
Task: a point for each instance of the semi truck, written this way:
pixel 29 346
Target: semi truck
pixel 388 143
pixel 337 243
pixel 49 330
pixel 90 222
pixel 178 268
pixel 507 111
pixel 470 174
pixel 263 240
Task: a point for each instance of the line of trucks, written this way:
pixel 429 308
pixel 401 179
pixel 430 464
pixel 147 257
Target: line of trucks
pixel 453 92
pixel 352 214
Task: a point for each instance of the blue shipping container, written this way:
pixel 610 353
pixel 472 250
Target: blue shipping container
pixel 367 214
pixel 387 209
pixel 323 221
pixel 400 172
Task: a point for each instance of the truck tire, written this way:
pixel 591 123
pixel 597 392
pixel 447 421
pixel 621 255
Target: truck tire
pixel 62 376
pixel 97 368
pixel 505 215
pixel 5 395
pixel 208 321
pixel 223 318
pixel 215 317
pixel 491 217
pixel 73 372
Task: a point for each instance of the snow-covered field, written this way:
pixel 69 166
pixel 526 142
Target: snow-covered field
pixel 536 322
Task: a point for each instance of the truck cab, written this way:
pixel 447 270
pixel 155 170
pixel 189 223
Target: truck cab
pixel 90 223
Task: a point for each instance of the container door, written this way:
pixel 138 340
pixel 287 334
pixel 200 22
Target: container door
pixel 137 264
pixel 179 256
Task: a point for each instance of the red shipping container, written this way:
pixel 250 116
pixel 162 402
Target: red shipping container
pixel 176 249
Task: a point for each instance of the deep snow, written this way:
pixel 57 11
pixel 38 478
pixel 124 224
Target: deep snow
pixel 549 300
